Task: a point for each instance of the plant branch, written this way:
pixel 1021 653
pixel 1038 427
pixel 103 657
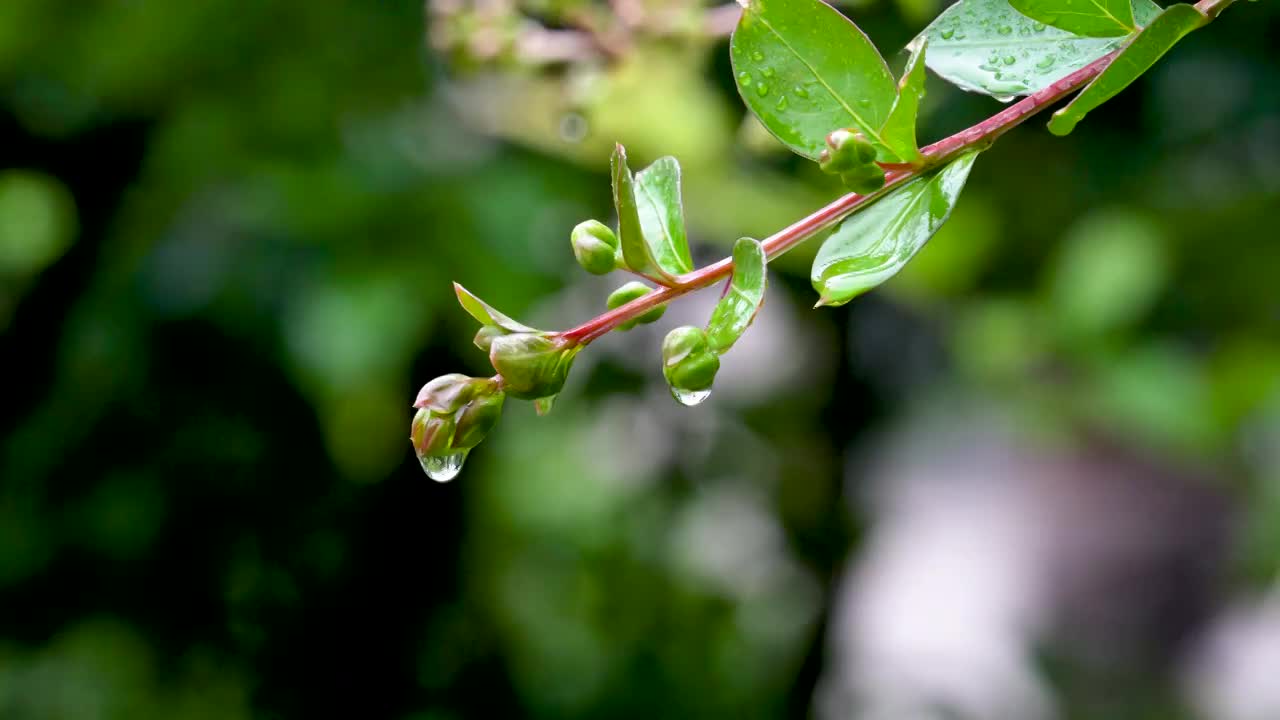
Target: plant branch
pixel 977 137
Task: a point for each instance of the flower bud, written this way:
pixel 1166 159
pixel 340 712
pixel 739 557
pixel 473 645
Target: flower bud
pixel 447 393
pixel 532 365
pixel 633 291
pixel 432 433
pixel 477 418
pixel 688 362
pixel 846 150
pixel 864 178
pixel 485 335
pixel 595 246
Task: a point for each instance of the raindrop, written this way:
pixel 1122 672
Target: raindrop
pixel 762 89
pixel 767 72
pixel 543 405
pixel 946 34
pixel 744 79
pixel 757 56
pixel 1004 98
pixel 1038 27
pixel 443 468
pixel 801 92
pixel 689 398
pixel 960 35
pixel 1045 63
pixel 1009 59
pixel 782 103
pixel 1004 29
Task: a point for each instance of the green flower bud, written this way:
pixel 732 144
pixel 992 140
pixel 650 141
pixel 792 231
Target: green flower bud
pixel 477 419
pixel 432 433
pixel 595 246
pixel 532 365
pixel 447 393
pixel 486 334
pixel 688 362
pixel 864 179
pixel 633 291
pixel 846 150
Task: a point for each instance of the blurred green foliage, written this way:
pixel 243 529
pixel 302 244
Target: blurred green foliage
pixel 227 232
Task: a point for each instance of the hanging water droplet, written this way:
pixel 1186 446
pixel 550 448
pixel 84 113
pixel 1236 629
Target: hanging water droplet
pixel 800 92
pixel 946 34
pixel 767 72
pixel 543 405
pixel 689 398
pixel 1004 98
pixel 443 468
pixel 762 89
pixel 744 79
pixel 1004 29
pixel 757 56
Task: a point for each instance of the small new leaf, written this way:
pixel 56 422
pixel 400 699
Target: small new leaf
pixel 873 245
pixel 804 69
pixel 662 216
pixel 486 314
pixel 986 46
pixel 742 298
pixel 1091 18
pixel 650 218
pixel 1137 57
pixel 899 131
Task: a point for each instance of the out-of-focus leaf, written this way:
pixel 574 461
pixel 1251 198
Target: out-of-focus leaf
pixel 873 245
pixel 899 131
pixel 1091 18
pixel 1138 56
pixel 805 70
pixel 988 47
pixel 742 298
pixel 486 314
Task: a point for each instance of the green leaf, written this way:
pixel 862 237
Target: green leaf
pixel 1091 18
pixel 487 314
pixel 742 298
pixel 873 245
pixel 1137 57
pixel 650 218
pixel 899 131
pixel 662 216
pixel 805 70
pixel 988 47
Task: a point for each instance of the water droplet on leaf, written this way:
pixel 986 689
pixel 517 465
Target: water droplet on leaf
pixel 1038 27
pixel 801 92
pixel 946 34
pixel 443 468
pixel 744 79
pixel 782 103
pixel 1004 29
pixel 690 398
pixel 1045 63
pixel 1009 59
pixel 762 89
pixel 767 72
pixel 757 56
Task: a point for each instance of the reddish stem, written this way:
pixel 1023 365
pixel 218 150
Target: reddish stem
pixel 975 137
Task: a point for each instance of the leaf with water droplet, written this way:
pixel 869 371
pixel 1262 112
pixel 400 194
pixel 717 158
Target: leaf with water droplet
pixel 742 297
pixel 807 43
pixel 486 313
pixel 1090 18
pixel 899 130
pixel 967 34
pixel 443 468
pixel 1137 57
pixel 874 244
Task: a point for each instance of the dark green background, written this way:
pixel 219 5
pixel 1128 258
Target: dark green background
pixel 227 235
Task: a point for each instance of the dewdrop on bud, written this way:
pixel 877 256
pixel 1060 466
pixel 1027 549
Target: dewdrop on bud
pixel 689 364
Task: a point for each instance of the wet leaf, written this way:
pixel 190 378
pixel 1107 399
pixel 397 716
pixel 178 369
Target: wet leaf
pixel 899 131
pixel 1091 18
pixel 742 298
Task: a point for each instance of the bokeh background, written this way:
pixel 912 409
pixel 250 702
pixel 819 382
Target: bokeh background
pixel 1037 475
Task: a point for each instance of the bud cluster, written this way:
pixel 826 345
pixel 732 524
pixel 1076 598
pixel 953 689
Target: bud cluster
pixel 851 156
pixel 455 413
